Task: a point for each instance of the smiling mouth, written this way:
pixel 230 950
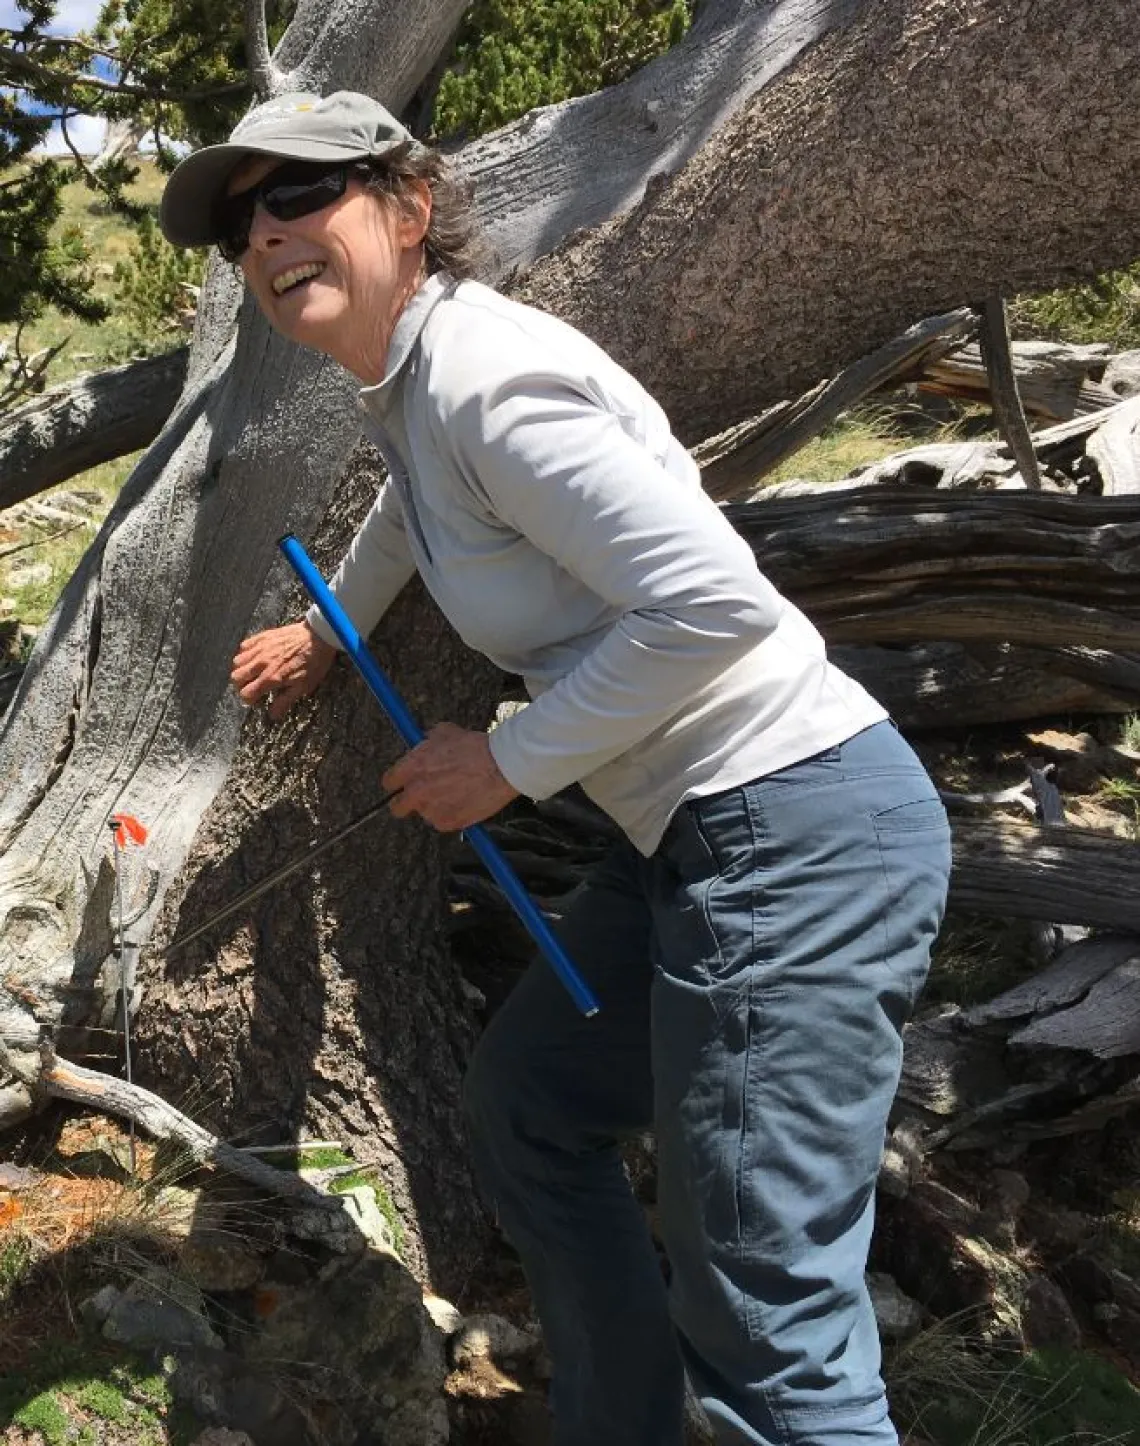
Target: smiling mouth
pixel 296 276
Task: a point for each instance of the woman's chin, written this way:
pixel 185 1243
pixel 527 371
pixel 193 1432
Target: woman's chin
pixel 306 319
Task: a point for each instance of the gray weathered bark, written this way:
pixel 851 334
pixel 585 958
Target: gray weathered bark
pixel 922 149
pixel 821 174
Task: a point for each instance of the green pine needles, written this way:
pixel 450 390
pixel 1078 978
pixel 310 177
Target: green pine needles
pixel 513 55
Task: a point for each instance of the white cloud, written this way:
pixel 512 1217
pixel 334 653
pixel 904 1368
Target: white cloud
pixel 85 131
pixel 75 15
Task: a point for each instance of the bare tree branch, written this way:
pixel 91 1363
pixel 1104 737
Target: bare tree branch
pixel 997 357
pixel 264 76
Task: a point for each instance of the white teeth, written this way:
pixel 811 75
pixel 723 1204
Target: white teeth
pixel 282 283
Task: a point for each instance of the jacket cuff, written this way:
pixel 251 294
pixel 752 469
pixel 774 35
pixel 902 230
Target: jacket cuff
pixel 517 768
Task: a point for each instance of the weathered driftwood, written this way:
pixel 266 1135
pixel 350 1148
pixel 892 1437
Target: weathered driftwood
pixel 1066 982
pixel 950 685
pixel 1115 448
pixel 1055 380
pixel 733 462
pixel 90 420
pixel 1122 374
pixel 898 566
pixel 1068 455
pixel 1053 1055
pixel 1068 875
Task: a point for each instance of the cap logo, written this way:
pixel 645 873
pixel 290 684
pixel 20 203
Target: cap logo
pixel 269 112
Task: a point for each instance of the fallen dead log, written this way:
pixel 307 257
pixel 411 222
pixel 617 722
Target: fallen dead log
pixel 900 566
pixel 1115 449
pixel 1053 1055
pixel 733 462
pixel 1051 381
pixel 950 685
pixel 90 420
pixel 1055 380
pixel 1068 875
pixel 1071 455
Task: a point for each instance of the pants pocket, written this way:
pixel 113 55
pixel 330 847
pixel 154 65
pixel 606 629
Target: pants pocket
pixel 915 853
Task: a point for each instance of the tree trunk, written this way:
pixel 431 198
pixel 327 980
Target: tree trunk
pixel 798 182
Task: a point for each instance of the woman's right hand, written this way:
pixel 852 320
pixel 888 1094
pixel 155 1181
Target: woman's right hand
pixel 281 665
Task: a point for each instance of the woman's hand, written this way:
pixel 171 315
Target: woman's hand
pixel 281 664
pixel 450 779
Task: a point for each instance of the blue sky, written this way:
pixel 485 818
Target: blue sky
pixel 72 15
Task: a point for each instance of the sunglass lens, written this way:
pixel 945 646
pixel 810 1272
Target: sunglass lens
pixel 235 221
pixel 289 196
pixel 287 193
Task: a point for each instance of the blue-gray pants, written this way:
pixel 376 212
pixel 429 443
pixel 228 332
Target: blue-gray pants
pixel 754 976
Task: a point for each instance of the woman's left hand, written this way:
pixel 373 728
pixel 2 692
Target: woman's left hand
pixel 451 780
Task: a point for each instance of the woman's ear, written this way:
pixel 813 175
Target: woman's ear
pixel 415 212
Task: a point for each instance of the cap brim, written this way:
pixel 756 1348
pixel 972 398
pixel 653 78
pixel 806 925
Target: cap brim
pixel 188 211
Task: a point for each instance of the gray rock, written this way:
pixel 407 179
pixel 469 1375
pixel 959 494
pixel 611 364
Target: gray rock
pixel 902 1160
pixel 335 1228
pixel 375 1351
pixel 14 1178
pixel 223 1390
pixel 447 1317
pixel 361 1208
pixel 1047 1318
pixel 96 1308
pixel 898 1316
pixel 491 1338
pixel 179 1211
pixel 217 1264
pixel 1122 375
pixel 153 1314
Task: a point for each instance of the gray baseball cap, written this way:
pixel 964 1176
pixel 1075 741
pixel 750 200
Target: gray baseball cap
pixel 344 126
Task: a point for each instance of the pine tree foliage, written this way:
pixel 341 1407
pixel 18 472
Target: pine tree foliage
pixel 157 288
pixel 36 269
pixel 513 55
pixel 178 66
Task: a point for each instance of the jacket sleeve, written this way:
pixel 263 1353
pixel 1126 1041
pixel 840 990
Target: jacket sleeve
pixel 551 462
pixel 373 570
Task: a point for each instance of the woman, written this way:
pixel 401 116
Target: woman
pixel 758 941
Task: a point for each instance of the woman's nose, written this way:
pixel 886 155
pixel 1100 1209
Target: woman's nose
pixel 265 231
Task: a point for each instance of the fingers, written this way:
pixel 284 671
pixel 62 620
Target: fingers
pixel 280 665
pixel 450 780
pixel 281 700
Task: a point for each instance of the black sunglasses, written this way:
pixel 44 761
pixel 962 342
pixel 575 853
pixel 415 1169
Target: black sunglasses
pixel 295 189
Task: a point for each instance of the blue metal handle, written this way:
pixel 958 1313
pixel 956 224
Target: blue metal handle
pixel 410 731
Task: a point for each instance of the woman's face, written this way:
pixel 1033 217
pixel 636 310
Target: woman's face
pixel 338 278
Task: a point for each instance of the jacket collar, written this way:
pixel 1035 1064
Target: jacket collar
pixel 406 333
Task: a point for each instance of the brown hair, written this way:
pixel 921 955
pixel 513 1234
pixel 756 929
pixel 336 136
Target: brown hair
pixel 454 240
